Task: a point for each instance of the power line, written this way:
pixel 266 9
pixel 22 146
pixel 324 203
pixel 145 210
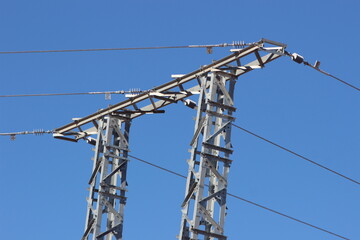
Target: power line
pixel 287 216
pixel 132 91
pixel 209 47
pixel 41 132
pixel 300 59
pixel 298 155
pixel 245 200
pixel 330 75
pixel 154 165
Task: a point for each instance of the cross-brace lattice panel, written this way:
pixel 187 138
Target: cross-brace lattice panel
pixel 106 202
pixel 204 205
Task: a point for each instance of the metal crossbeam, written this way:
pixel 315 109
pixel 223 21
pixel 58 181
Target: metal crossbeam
pixel 150 100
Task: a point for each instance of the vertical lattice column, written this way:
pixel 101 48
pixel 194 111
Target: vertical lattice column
pixel 106 202
pixel 204 205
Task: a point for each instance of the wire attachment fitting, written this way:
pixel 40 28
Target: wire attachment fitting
pixel 297 58
pixel 36 132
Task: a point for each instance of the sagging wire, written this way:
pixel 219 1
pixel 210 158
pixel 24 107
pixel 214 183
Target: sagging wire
pixel 209 48
pixel 247 201
pixel 300 59
pixel 131 93
pixel 298 155
pixel 42 132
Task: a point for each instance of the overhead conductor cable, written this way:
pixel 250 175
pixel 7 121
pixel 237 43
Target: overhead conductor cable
pixel 131 92
pixel 41 132
pixel 247 201
pixel 237 44
pixel 298 155
pixel 300 59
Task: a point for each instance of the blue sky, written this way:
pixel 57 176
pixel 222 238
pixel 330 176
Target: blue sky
pixel 43 181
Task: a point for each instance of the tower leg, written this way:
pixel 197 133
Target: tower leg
pixel 204 205
pixel 106 202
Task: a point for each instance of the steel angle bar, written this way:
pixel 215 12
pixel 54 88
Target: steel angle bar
pixel 214 235
pixel 217 148
pixel 264 40
pixel 87 230
pixel 100 236
pixel 219 130
pixel 163 103
pixel 197 131
pixel 114 171
pixel 256 64
pixel 207 215
pixel 217 158
pixel 189 194
pixel 212 168
pixel 221 193
pixel 233 109
pixel 112 210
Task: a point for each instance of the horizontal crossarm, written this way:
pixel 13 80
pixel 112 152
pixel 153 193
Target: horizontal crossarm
pixel 150 101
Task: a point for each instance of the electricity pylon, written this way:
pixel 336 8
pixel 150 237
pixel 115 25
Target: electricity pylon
pixel 204 205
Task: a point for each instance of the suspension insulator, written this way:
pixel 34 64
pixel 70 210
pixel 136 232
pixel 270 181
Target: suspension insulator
pixel 297 58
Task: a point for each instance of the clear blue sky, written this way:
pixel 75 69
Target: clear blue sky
pixel 43 181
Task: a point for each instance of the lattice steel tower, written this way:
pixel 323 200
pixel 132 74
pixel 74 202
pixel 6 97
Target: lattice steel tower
pixel 204 205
